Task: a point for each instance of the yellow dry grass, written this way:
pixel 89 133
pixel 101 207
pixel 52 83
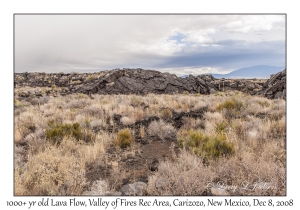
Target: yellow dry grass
pixel 256 127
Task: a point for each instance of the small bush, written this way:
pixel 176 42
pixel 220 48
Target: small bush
pixel 18 103
pixel 97 123
pixel 233 107
pixel 56 132
pixel 78 104
pixel 220 127
pixel 228 104
pixel 161 129
pixel 135 101
pixel 124 138
pixel 206 146
pixel 30 127
pixel 127 121
pixel 166 114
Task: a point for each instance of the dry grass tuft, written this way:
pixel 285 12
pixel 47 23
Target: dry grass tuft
pixel 127 121
pixel 124 138
pixel 185 177
pixel 239 138
pixel 161 129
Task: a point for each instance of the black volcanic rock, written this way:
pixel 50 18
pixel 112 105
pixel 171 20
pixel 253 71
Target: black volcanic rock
pixel 138 81
pixel 275 87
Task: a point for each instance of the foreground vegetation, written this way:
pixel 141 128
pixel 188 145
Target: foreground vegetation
pixel 228 137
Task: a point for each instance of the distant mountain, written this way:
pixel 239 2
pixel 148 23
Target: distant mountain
pixel 184 76
pixel 252 72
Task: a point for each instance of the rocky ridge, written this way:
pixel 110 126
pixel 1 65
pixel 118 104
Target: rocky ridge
pixel 139 81
pixel 275 87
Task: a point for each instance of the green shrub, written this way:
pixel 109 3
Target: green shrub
pixel 124 138
pixel 166 113
pixel 56 133
pixel 228 104
pixel 232 107
pixel 208 147
pixel 220 127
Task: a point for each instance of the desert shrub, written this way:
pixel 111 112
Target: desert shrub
pixel 233 107
pixel 127 121
pixel 124 138
pixel 228 104
pixel 278 129
pixel 220 127
pixel 161 129
pixel 185 177
pixel 82 96
pixel 52 173
pixel 189 123
pixel 56 132
pixel 92 111
pixel 34 101
pixel 97 123
pixel 139 114
pixel 218 93
pixel 263 103
pixel 30 127
pixel 18 103
pixel 214 116
pixel 254 170
pixel 166 114
pixel 135 101
pixel 53 87
pixel 87 135
pixel 77 104
pixel 200 105
pixel 209 147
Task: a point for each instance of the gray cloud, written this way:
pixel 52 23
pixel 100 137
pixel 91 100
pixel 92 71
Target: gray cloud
pixel 184 43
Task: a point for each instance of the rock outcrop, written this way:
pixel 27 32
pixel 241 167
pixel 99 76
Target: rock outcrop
pixel 139 81
pixel 275 87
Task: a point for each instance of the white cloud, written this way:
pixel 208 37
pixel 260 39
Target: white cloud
pixel 194 70
pixel 61 42
pixel 251 23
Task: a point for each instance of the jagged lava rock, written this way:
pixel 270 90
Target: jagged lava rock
pixel 275 87
pixel 139 81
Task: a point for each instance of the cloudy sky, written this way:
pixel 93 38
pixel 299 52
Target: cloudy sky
pixel 179 44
